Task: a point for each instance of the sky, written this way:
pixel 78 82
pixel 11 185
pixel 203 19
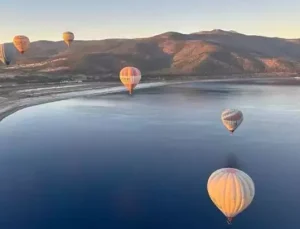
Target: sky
pixel 99 19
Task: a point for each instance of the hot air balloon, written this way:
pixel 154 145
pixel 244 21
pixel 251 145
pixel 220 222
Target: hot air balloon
pixel 231 119
pixel 7 53
pixel 68 38
pixel 21 43
pixel 231 190
pixel 130 77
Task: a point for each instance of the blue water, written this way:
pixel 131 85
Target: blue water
pixel 143 162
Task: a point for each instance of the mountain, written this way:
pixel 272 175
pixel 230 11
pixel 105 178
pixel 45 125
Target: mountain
pixel 169 54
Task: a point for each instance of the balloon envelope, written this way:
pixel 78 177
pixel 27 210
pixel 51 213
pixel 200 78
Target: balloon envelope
pixel 68 38
pixel 231 190
pixel 231 119
pixel 21 43
pixel 130 77
pixel 7 53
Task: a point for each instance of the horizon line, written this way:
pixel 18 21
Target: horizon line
pixel 135 38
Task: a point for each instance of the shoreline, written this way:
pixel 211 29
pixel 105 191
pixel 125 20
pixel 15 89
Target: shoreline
pixel 12 105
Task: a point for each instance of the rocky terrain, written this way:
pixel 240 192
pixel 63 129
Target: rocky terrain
pixel 167 55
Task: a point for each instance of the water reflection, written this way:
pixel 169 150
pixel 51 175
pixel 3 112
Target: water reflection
pixel 143 161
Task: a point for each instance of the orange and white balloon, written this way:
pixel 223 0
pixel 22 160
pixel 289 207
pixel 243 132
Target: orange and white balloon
pixel 231 119
pixel 21 43
pixel 68 38
pixel 130 77
pixel 231 190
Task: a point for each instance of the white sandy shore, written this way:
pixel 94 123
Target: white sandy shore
pixel 10 105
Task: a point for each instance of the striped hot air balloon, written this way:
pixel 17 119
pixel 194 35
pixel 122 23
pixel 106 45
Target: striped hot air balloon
pixel 21 43
pixel 68 38
pixel 130 77
pixel 231 119
pixel 231 190
pixel 7 53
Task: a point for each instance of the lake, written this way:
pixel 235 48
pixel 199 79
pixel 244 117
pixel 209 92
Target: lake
pixel 143 161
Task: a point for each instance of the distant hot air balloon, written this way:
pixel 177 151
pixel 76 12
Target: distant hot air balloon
pixel 68 38
pixel 21 43
pixel 7 53
pixel 231 190
pixel 130 77
pixel 231 119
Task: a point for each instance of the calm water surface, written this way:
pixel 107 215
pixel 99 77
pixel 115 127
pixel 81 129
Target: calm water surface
pixel 143 162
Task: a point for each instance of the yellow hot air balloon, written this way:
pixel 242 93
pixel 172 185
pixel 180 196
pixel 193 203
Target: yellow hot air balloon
pixel 68 38
pixel 130 77
pixel 231 119
pixel 231 190
pixel 21 43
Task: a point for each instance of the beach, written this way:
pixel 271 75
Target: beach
pixel 17 98
pixel 14 97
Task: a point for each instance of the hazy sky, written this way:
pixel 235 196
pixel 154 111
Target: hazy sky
pixel 99 19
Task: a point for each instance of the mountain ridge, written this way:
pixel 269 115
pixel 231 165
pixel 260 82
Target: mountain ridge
pixel 171 53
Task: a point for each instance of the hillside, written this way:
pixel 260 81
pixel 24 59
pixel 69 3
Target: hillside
pixel 169 54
